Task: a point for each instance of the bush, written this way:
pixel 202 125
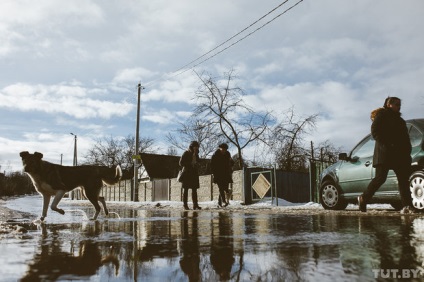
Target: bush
pixel 15 184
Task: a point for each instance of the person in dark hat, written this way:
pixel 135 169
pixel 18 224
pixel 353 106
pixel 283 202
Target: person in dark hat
pixel 222 165
pixel 190 178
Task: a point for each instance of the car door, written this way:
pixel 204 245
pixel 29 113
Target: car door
pixel 391 184
pixel 355 173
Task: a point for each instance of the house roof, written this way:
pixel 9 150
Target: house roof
pixel 166 166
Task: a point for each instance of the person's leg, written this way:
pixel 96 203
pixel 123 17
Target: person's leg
pixel 195 201
pixel 379 179
pixel 402 174
pixel 185 198
pixel 221 199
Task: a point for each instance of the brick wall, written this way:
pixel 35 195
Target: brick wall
pixel 207 191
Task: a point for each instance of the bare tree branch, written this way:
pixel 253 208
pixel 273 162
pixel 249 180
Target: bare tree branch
pixel 222 104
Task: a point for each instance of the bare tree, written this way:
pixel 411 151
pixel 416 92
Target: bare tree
pixel 325 152
pixel 222 105
pixel 287 141
pixel 198 130
pixel 112 151
pixel 172 151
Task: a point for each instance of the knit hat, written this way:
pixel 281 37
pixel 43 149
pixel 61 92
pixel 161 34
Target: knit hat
pixel 223 146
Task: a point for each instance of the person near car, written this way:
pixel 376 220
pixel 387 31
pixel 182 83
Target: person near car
pixel 392 151
pixel 221 165
pixel 190 179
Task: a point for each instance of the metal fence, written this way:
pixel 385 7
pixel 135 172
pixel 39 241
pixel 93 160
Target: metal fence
pixel 288 185
pixel 316 167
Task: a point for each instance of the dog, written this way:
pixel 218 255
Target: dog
pixel 56 180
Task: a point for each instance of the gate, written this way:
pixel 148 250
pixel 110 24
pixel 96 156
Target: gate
pixel 262 184
pixel 160 190
pixel 288 185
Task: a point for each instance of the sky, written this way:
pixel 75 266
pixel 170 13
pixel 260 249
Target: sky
pixel 74 66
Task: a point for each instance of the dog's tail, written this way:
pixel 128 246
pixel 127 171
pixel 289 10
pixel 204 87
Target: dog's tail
pixel 113 176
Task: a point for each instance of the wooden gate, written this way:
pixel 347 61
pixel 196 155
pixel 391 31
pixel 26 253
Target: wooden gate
pixel 160 190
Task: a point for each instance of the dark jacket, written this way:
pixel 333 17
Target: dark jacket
pixel 190 178
pixel 222 167
pixel 392 146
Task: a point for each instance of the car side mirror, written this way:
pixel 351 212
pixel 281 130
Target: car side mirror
pixel 343 156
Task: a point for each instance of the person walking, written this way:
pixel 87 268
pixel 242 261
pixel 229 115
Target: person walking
pixel 221 165
pixel 392 151
pixel 190 179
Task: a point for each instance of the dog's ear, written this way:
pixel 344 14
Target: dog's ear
pixel 24 154
pixel 38 155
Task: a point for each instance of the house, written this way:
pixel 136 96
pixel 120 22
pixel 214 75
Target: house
pixel 154 167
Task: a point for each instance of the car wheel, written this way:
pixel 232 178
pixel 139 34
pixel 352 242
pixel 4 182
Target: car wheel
pixel 330 197
pixel 416 186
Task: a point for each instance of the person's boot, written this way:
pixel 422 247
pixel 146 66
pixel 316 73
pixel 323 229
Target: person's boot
pixel 185 199
pixel 224 202
pixel 228 194
pixel 362 204
pixel 195 202
pixel 219 201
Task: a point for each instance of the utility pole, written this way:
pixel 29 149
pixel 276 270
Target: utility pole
pixel 137 141
pixel 75 149
pixel 75 159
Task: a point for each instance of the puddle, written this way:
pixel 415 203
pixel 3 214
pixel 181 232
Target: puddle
pixel 208 245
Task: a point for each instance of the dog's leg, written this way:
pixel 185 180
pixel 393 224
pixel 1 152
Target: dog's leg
pixel 46 202
pixel 97 212
pixel 59 195
pixel 102 200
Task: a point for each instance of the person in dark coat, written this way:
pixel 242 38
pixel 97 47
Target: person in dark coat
pixel 221 165
pixel 392 151
pixel 190 178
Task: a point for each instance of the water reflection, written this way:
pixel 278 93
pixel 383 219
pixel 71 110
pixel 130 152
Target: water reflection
pixel 190 255
pixel 215 245
pixel 51 262
pixel 222 248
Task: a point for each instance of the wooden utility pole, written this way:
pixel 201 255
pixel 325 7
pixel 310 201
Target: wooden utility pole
pixel 136 156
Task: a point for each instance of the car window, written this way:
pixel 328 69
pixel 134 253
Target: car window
pixel 364 149
pixel 416 136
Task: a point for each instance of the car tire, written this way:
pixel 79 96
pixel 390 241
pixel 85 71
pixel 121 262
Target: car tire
pixel 416 187
pixel 330 196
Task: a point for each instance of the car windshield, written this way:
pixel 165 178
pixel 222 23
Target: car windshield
pixel 415 136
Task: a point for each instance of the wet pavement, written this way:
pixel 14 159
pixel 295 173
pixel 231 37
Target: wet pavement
pixel 148 243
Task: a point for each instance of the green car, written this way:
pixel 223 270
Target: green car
pixel 342 182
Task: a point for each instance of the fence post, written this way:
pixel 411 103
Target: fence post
pixel 211 187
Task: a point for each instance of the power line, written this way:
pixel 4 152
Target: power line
pixel 235 35
pixel 241 39
pixel 184 68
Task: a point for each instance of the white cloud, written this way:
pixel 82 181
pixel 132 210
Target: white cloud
pixel 55 99
pixel 133 75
